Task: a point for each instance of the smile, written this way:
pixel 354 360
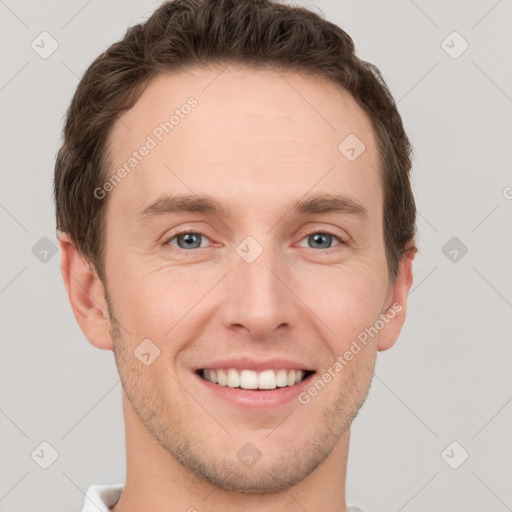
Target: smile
pixel 250 379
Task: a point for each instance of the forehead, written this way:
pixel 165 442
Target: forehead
pixel 251 136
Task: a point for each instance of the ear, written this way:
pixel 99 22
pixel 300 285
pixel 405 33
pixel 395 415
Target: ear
pixel 397 300
pixel 86 294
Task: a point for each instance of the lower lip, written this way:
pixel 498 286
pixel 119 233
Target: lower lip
pixel 257 399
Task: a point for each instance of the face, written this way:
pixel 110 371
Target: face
pixel 258 285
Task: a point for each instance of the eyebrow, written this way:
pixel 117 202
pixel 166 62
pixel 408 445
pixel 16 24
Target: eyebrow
pixel 208 205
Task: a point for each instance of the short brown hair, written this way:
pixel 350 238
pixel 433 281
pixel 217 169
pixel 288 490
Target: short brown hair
pixel 188 33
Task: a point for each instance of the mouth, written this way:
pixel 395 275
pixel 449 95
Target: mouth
pixel 254 384
pixel 250 380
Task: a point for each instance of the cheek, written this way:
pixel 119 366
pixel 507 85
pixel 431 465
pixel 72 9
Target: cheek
pixel 353 304
pixel 160 303
pixel 355 285
pixel 144 303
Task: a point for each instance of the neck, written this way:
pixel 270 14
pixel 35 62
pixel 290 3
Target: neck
pixel 157 482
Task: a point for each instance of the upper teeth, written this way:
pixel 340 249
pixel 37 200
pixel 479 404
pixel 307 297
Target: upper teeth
pixel 249 379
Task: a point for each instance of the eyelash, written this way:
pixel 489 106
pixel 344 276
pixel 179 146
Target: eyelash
pixel 323 231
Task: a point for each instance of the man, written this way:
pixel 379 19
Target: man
pixel 237 225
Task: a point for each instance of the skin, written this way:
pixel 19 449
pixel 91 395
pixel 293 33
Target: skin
pixel 257 141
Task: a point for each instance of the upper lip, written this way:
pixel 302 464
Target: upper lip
pixel 255 364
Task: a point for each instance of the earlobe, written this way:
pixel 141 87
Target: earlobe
pixel 394 317
pixel 86 294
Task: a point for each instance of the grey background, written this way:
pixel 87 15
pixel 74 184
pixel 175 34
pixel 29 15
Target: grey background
pixel 447 378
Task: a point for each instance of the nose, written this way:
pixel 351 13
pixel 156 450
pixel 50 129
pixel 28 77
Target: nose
pixel 261 297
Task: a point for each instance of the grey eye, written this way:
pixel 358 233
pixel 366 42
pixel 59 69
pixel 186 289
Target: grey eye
pixel 189 240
